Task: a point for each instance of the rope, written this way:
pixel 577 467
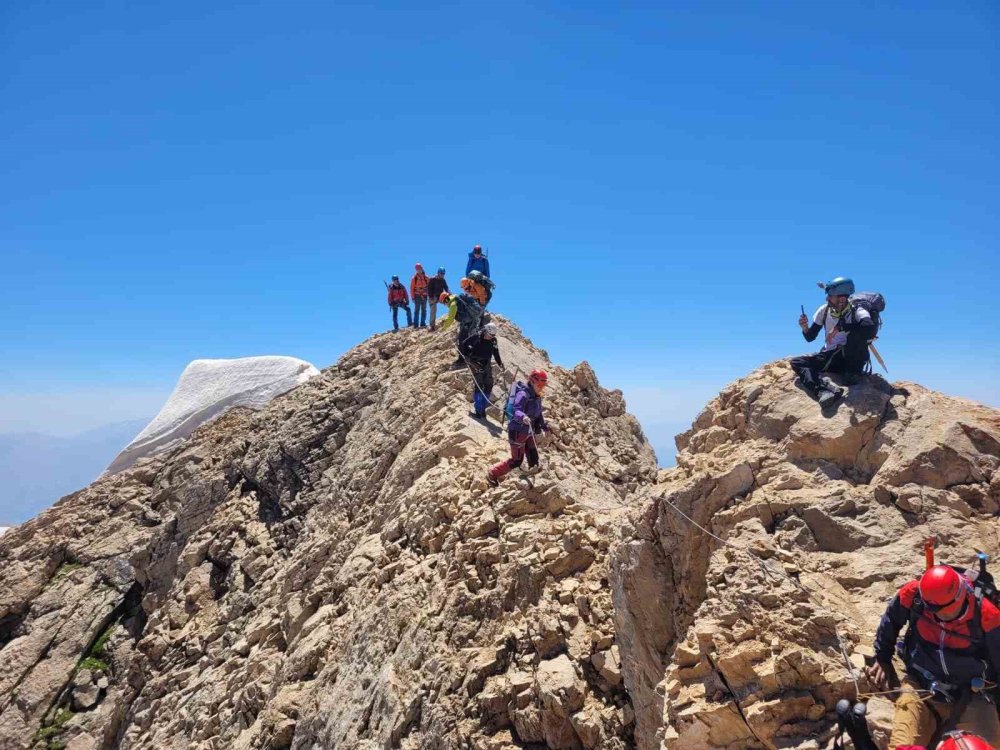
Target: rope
pixel 809 595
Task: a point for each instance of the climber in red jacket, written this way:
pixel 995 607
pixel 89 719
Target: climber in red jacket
pixel 951 652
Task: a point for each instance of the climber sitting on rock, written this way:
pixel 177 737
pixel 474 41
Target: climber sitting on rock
pixel 482 349
pixel 526 421
pixel 951 652
pixel 848 329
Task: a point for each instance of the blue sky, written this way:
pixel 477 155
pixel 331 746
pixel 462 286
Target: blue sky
pixel 659 186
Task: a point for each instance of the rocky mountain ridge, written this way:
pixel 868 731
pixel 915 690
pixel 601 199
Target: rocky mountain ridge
pixel 333 571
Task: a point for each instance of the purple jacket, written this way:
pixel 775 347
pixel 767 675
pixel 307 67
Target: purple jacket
pixel 526 401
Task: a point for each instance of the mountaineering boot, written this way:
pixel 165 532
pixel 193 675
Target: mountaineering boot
pixel 477 414
pixel 826 397
pixel 491 480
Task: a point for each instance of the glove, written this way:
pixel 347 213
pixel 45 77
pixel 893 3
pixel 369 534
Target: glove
pixel 526 419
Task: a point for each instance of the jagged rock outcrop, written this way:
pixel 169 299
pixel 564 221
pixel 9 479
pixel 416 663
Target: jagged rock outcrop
pixel 739 639
pixel 332 571
pixel 207 389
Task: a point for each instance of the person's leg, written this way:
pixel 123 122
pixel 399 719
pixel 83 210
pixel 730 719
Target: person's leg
pixel 395 317
pixel 809 368
pixel 479 402
pixel 980 717
pixel 913 722
pixel 516 457
pixel 434 309
pixel 532 452
pixel 420 303
pixel 409 317
pixel 486 381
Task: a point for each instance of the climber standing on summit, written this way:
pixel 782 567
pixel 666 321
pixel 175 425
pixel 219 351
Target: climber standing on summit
pixel 418 290
pixel 951 652
pixel 398 299
pixel 848 330
pixel 436 286
pixel 478 262
pixel 527 420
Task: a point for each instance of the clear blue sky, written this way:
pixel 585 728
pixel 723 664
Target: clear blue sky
pixel 659 185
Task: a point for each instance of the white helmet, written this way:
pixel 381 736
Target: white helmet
pixel 490 329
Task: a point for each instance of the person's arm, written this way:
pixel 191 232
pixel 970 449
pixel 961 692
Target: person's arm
pixel 468 265
pixel 413 286
pixel 861 320
pixel 496 353
pixel 487 262
pixel 446 286
pixel 810 333
pixel 389 297
pixel 519 398
pixel 895 617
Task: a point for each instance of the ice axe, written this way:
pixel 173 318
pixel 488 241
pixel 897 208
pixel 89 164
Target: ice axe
pixel 878 356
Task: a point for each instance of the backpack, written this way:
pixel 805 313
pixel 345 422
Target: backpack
pixel 873 303
pixel 484 281
pixel 515 388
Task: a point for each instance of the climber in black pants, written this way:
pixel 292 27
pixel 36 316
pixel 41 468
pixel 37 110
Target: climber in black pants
pixel 845 350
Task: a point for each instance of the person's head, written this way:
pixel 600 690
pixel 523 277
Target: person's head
pixel 477 250
pixel 444 298
pixel 490 330
pixel 538 379
pixel 963 740
pixel 944 592
pixel 466 285
pixel 395 279
pixel 441 271
pixel 418 268
pixel 838 291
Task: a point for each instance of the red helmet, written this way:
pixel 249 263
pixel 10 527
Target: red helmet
pixel 539 376
pixel 941 586
pixel 444 297
pixel 962 740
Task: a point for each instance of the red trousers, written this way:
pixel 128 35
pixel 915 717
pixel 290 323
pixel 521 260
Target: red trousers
pixel 520 445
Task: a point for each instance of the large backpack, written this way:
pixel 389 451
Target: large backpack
pixel 873 302
pixel 515 388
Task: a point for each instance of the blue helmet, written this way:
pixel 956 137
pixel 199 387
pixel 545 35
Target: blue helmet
pixel 441 269
pixel 840 286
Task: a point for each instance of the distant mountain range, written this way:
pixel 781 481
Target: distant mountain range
pixel 36 469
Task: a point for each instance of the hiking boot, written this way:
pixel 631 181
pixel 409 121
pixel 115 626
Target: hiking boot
pixel 827 396
pixel 491 480
pixel 477 414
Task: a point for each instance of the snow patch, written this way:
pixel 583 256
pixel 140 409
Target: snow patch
pixel 207 389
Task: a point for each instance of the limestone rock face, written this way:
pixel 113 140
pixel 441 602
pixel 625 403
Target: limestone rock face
pixel 207 389
pixel 739 634
pixel 332 571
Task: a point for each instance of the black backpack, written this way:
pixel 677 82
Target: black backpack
pixel 873 303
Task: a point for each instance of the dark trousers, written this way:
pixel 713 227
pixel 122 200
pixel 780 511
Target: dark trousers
pixel 482 387
pixel 395 316
pixel 811 367
pixel 521 445
pixel 420 311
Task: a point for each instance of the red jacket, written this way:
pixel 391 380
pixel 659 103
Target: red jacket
pixel 952 652
pixel 397 294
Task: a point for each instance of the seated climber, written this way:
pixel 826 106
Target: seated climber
pixel 397 299
pixel 526 421
pixel 479 353
pixel 951 652
pixel 848 330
